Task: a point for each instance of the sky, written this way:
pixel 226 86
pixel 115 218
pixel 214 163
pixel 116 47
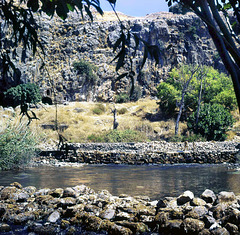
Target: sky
pixel 136 7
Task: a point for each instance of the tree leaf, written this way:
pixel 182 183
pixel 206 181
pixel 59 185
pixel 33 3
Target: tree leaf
pixel 227 6
pixel 48 7
pixel 136 39
pixel 121 56
pixel 62 9
pixel 112 2
pixel 119 41
pixel 88 12
pixel 33 4
pixel 70 7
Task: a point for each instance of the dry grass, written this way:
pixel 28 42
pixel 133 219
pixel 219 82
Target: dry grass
pixel 81 122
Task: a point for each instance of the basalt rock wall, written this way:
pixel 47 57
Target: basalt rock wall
pixel 181 38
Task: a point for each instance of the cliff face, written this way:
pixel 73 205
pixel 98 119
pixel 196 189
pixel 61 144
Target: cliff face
pixel 74 39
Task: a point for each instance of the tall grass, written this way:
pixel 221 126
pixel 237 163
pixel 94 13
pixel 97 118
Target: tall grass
pixel 18 144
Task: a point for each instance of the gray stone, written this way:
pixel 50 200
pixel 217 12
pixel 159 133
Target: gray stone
pixel 220 231
pixel 209 221
pixel 226 197
pixel 185 197
pixel 198 202
pixel 107 214
pixel 69 192
pixel 193 225
pixel 54 217
pixel 208 196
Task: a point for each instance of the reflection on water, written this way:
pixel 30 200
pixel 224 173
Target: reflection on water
pixel 153 181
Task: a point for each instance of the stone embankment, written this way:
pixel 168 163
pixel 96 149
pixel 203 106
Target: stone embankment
pixel 148 153
pixel 79 210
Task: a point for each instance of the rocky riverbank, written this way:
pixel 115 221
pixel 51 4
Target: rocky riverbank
pixel 79 210
pixel 145 153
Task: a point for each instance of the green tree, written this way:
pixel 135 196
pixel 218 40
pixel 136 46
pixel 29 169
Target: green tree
pixel 214 121
pixel 24 93
pixel 168 96
pixel 86 70
pixel 215 87
pixel 221 31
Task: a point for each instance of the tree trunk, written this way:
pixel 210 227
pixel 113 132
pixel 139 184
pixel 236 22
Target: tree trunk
pixel 199 101
pixel 181 105
pixel 228 54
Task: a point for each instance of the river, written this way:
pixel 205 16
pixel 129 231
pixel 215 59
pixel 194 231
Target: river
pixel 153 181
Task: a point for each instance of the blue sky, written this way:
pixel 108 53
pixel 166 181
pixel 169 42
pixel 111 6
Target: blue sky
pixel 137 7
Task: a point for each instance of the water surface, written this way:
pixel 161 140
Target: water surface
pixel 153 181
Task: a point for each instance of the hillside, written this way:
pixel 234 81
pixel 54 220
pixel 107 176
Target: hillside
pixel 72 40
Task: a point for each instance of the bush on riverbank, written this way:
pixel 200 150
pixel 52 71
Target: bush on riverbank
pixel 17 145
pixel 213 122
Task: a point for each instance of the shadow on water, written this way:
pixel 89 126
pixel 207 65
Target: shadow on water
pixel 152 181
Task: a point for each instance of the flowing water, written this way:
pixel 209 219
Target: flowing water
pixel 152 181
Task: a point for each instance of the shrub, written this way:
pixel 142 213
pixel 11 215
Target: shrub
pixel 98 109
pixel 168 96
pixel 21 94
pixel 86 70
pixel 114 136
pixel 214 122
pixel 17 146
pixel 122 111
pixel 122 98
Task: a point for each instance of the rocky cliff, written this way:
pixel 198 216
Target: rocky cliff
pixel 74 39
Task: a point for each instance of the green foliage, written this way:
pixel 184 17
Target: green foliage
pixel 168 96
pixel 126 97
pixel 114 136
pixel 217 88
pixel 98 109
pixel 122 111
pixel 22 94
pixel 122 98
pixel 17 146
pixel 86 70
pixel 213 123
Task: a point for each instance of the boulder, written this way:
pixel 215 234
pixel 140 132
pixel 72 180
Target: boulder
pixel 30 190
pixel 232 228
pixel 226 197
pixel 174 226
pixel 208 196
pixel 136 228
pixel 208 220
pixel 8 192
pixel 193 225
pixel 198 202
pixel 17 185
pixel 220 231
pixel 70 192
pixel 197 212
pixel 53 217
pixel 185 197
pixel 58 192
pixel 109 213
